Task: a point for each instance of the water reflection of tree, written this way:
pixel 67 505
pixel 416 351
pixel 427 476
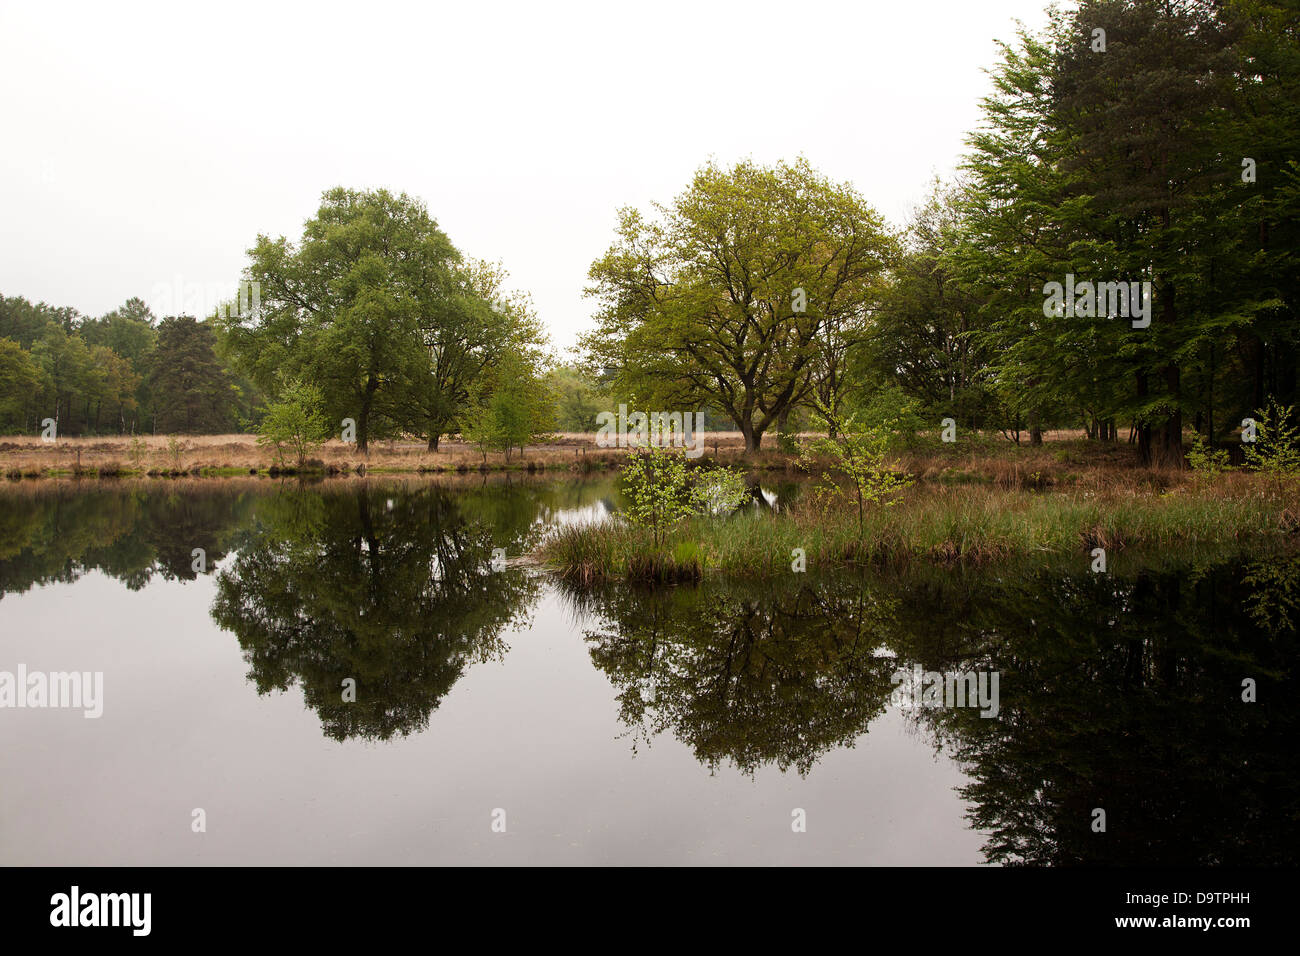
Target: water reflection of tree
pixel 130 532
pixel 392 589
pixel 743 675
pixel 1122 693
pixel 1118 691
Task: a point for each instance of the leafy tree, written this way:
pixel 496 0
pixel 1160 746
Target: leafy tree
pixel 511 410
pixel 578 398
pixel 662 492
pixel 892 412
pixel 129 330
pixel 295 421
pixel 348 306
pixel 467 337
pixel 189 390
pixel 739 293
pixel 115 386
pixel 1127 165
pixel 19 378
pixel 858 453
pixel 27 323
pixel 1276 448
pixel 926 335
pixel 65 369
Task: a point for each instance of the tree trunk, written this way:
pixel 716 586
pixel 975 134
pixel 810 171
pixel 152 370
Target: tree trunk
pixel 363 417
pixel 1169 449
pixel 1259 374
pixel 1209 398
pixel 1143 429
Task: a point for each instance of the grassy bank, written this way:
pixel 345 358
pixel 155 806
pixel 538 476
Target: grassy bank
pixel 161 456
pixel 936 523
pixel 1063 460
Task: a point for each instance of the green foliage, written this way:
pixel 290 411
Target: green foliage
pixel 1126 166
pixel 343 308
pixel 578 399
pixel 1276 448
pixel 893 413
pixel 1205 460
pixel 89 372
pixel 658 491
pixel 512 409
pixel 378 307
pixel 295 422
pixel 176 448
pixel 187 385
pixel 662 492
pixel 19 378
pixel 928 335
pixel 699 304
pixel 718 490
pixel 138 450
pixel 478 426
pixel 857 451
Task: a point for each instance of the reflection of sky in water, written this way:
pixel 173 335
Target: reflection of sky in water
pixel 540 727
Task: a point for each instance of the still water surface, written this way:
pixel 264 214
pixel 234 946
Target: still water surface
pixel 611 725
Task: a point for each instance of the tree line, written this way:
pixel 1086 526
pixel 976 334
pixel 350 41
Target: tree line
pixel 1132 144
pixel 121 373
pixel 372 323
pixel 1132 141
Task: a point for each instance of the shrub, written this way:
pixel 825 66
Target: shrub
pixel 139 448
pixel 858 452
pixel 295 422
pixel 175 449
pixel 894 414
pixel 1205 460
pixel 662 492
pixel 1276 448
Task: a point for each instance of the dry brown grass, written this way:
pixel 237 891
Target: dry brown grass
pixel 29 454
pixel 1064 460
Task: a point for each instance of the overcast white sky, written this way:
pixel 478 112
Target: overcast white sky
pixel 145 146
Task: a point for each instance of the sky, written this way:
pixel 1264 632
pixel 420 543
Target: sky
pixel 146 146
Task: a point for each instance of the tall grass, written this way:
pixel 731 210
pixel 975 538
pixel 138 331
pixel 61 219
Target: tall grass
pixel 939 524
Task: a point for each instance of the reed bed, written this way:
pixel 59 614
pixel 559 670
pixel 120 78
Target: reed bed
pixel 939 524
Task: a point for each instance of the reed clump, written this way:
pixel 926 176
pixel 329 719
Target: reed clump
pixel 939 524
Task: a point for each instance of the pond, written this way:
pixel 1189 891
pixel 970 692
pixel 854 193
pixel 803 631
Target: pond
pixel 372 672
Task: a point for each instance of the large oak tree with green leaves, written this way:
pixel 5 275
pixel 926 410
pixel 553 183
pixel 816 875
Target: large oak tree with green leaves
pixel 739 294
pixel 379 309
pixel 341 309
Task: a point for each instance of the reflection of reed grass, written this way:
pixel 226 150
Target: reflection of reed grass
pixel 940 524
